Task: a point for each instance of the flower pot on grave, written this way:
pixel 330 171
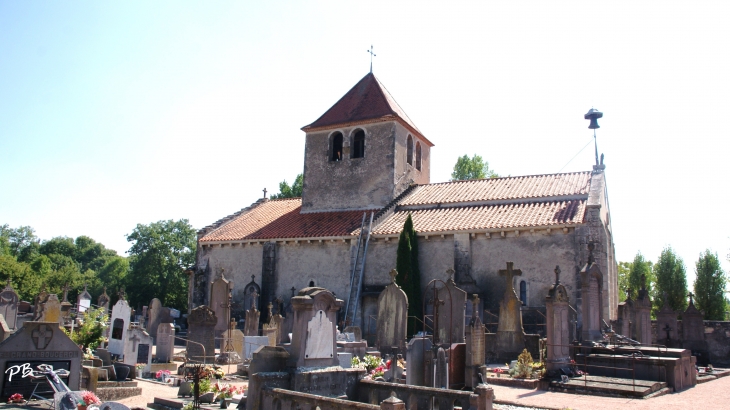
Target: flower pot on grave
pixel 207 397
pixel 225 403
pixel 122 372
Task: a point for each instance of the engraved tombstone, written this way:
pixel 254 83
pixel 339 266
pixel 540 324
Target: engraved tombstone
pixel 83 300
pixel 475 355
pixel 201 326
pixel 165 342
pixel 252 318
pixel 313 343
pixel 510 336
pixel 121 313
pixel 51 310
pixel 392 319
pixel 557 326
pixel 219 291
pixel 591 280
pixel 416 361
pixel 694 332
pixel 666 326
pixel 9 305
pixel 138 348
pixel 154 312
pixel 454 324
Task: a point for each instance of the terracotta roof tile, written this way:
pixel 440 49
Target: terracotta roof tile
pixel 532 186
pixel 367 100
pixel 487 217
pixel 282 219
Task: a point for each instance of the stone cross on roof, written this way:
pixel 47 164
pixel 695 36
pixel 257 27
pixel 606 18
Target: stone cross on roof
pixel 509 274
pixel 135 340
pixel 643 281
pixel 121 294
pixel 475 303
pixel 393 274
pixel 65 292
pixel 557 274
pixel 628 292
pixel 293 289
pixel 264 193
pixel 691 295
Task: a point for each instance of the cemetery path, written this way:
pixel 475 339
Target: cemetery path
pixel 714 394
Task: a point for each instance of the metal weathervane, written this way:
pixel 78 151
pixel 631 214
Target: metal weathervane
pixel 371 57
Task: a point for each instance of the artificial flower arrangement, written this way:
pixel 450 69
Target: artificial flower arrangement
pixel 226 391
pixel 16 398
pixel 88 398
pixel 162 375
pixel 87 354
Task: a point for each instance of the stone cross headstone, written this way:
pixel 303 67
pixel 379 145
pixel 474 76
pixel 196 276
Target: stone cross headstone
pixel 119 321
pixel 475 353
pixel 271 329
pixel 138 348
pixel 416 361
pixel 51 310
pixel 201 329
pixel 314 330
pixel 392 319
pixel 277 320
pixel 510 336
pixel 103 302
pixel 154 313
pixel 220 289
pixel 83 301
pixel 33 344
pixel 591 280
pixel 165 342
pixel 252 318
pixel 9 305
pixel 666 324
pixel 39 301
pixel 65 305
pixel 557 325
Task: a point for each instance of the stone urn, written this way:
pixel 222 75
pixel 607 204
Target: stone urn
pixel 122 372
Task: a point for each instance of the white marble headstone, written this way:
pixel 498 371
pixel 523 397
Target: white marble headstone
pixel 319 343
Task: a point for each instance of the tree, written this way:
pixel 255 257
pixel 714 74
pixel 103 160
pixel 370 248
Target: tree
pixel 709 286
pixel 623 279
pixel 159 254
pixel 640 267
pixel 472 168
pixel 409 275
pixel 671 279
pixel 293 191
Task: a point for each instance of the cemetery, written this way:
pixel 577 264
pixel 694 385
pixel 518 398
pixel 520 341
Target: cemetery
pixel 304 355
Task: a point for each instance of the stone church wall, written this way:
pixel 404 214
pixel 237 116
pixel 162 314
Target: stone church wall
pixel 406 174
pixel 238 262
pixel 326 263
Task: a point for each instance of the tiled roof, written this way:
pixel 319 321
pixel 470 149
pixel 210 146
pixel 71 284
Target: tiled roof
pixel 486 217
pixel 533 186
pixel 367 100
pixel 281 218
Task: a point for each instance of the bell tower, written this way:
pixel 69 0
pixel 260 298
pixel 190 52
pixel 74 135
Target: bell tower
pixel 363 152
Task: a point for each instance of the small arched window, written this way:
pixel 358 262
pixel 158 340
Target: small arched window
pixel 336 153
pixel 409 150
pixel 358 144
pixel 117 329
pixel 418 156
pixel 523 293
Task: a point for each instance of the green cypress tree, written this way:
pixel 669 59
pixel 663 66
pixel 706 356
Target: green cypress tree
pixel 403 262
pixel 415 307
pixel 639 267
pixel 671 279
pixel 709 286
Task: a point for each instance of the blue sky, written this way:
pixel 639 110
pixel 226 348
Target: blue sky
pixel 113 114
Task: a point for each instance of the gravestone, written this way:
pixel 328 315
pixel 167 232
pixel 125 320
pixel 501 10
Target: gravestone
pixel 237 341
pixel 288 323
pixel 40 299
pixel 642 315
pixel 51 310
pixel 65 305
pixel 475 354
pixel 251 294
pixel 121 313
pixel 138 348
pixel 313 343
pixel 591 281
pixel 252 344
pixel 416 361
pixel 165 342
pixel 442 370
pixel 219 291
pixel 557 326
pixel 83 301
pixel 666 326
pixel 693 338
pixel 5 331
pixel 103 302
pixel 33 344
pixel 270 332
pixel 252 318
pixel 447 305
pixel 154 312
pixel 276 320
pixel 510 336
pixel 201 329
pixel 9 305
pixel 392 319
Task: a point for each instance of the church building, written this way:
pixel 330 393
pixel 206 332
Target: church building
pixel 365 158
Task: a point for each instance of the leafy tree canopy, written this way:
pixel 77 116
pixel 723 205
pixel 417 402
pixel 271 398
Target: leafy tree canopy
pixel 671 279
pixel 472 168
pixel 709 286
pixel 293 191
pixel 160 253
pixel 640 267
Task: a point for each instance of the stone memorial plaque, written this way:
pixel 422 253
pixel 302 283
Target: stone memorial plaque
pixel 143 353
pixel 319 337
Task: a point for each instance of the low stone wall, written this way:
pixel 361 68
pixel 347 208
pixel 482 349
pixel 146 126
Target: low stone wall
pixel 287 399
pixel 717 339
pixel 418 397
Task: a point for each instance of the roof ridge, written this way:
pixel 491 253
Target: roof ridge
pixel 511 176
pixel 217 224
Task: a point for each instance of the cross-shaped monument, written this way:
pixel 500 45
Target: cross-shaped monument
pixel 65 292
pixel 667 329
pixel 43 334
pixel 135 340
pixel 265 193
pixel 691 295
pixel 509 274
pixel 121 293
pixel 371 57
pixel 393 273
pixel 230 304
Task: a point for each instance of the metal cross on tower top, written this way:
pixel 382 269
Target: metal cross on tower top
pixel 371 57
pixel 264 193
pixel 509 274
